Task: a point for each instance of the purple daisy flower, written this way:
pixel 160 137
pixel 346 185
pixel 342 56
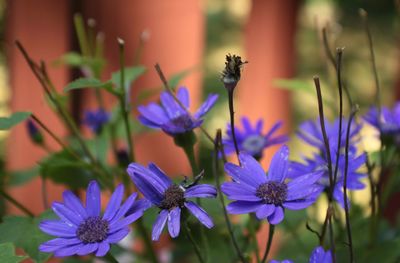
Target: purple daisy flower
pixel 96 119
pixel 251 139
pixel 311 133
pixel 389 121
pixel 283 261
pixel 171 117
pixel 82 230
pixel 160 191
pixel 268 195
pixel 319 255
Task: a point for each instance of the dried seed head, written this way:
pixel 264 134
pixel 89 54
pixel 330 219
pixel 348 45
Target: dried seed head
pixel 232 71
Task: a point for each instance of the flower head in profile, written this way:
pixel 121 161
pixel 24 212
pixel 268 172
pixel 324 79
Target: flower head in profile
pixel 312 134
pixel 319 255
pixel 96 119
pixel 171 117
pixel 268 195
pixel 251 139
pixel 83 230
pixel 388 123
pixel 159 190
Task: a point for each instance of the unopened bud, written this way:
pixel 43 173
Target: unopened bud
pixel 34 133
pixel 232 71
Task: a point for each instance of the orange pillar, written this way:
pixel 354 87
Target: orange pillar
pixel 176 42
pixel 42 27
pixel 269 43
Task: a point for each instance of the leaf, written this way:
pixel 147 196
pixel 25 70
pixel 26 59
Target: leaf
pixel 62 168
pixel 25 233
pixel 17 178
pixel 71 58
pixel 7 254
pixel 131 74
pixel 83 83
pixel 294 85
pixel 7 123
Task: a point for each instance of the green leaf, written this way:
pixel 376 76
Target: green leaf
pixel 24 232
pixel 71 58
pixel 131 74
pixel 7 123
pixel 295 85
pixel 21 177
pixel 62 168
pixel 7 254
pixel 83 83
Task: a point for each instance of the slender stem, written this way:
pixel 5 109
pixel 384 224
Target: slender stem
pixel 339 53
pixel 171 92
pixel 189 151
pixel 346 205
pixel 21 207
pixel 331 239
pixel 147 241
pixel 253 234
pixel 218 146
pixel 194 244
pixel 81 33
pixel 123 105
pixel 269 243
pixel 232 118
pixel 110 258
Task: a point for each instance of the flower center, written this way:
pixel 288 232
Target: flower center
pixel 254 144
pixel 93 230
pixel 272 192
pixel 183 121
pixel 173 197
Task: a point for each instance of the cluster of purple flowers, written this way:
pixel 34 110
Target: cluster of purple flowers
pixel 82 230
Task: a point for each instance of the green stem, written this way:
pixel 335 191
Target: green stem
pixel 10 199
pixel 195 246
pixel 110 258
pixel 269 243
pixel 147 241
pixel 253 235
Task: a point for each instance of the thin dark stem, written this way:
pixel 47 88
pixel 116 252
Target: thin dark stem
pixel 339 53
pixel 346 205
pixel 269 243
pixel 219 147
pixel 124 110
pixel 170 91
pixel 110 258
pixel 332 239
pixel 20 206
pixel 232 121
pixel 194 244
pixel 324 135
pixel 253 235
pixel 147 241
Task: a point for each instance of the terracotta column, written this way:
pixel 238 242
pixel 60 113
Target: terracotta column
pixel 176 42
pixel 42 27
pixel 269 43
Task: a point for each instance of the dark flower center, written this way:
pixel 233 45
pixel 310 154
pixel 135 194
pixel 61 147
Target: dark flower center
pixel 182 121
pixel 272 192
pixel 254 144
pixel 173 197
pixel 93 230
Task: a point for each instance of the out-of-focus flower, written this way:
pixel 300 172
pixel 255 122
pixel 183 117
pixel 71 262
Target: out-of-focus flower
pixel 268 195
pixel 96 119
pixel 171 117
pixel 319 255
pixel 283 261
pixel 251 139
pixel 82 230
pixel 171 198
pixel 34 133
pixel 311 133
pixel 388 123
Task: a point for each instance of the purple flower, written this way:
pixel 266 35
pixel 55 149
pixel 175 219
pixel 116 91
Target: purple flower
pixel 389 121
pixel 283 261
pixel 251 140
pixel 82 230
pixel 268 195
pixel 96 119
pixel 320 256
pixel 171 117
pixel 34 133
pixel 171 198
pixel 311 133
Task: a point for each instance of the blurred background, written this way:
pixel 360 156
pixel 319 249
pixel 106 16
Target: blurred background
pixel 281 40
